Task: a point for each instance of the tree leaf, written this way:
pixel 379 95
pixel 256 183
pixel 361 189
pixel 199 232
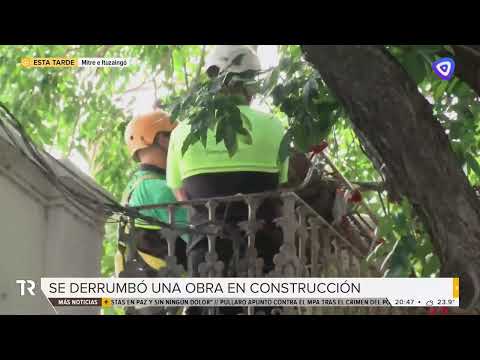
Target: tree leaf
pixel 278 94
pixel 246 122
pixel 473 164
pixel 234 117
pixel 284 149
pixel 285 63
pixel 415 66
pixel 244 136
pixel 310 91
pixel 409 243
pixel 220 133
pixel 270 82
pixel 189 140
pixel 397 262
pixel 203 138
pixel 431 265
pixel 230 140
pixel 176 111
pixel 439 91
pixel 300 137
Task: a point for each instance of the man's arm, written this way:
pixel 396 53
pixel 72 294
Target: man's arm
pixel 181 195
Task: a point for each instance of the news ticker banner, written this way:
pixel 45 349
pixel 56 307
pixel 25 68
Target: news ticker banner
pixel 402 292
pixel 59 62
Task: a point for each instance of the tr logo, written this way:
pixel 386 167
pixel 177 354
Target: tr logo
pixel 28 284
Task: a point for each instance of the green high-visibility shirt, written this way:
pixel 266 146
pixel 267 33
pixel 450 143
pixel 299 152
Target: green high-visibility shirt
pixel 260 156
pixel 149 187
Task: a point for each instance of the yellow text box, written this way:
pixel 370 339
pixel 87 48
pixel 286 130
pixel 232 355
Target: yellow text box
pixel 29 62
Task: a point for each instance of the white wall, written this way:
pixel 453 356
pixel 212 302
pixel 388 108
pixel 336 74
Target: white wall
pixel 41 234
pixel 22 240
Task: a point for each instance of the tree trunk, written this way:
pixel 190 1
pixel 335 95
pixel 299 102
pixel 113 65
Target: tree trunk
pixel 467 60
pixel 385 106
pixel 467 64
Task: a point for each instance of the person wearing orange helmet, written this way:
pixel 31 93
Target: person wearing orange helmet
pixel 147 138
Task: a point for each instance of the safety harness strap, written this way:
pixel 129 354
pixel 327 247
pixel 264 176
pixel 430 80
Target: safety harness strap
pixel 128 193
pixel 126 246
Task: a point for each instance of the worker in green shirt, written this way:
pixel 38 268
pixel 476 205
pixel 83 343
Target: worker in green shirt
pixel 205 172
pixel 147 138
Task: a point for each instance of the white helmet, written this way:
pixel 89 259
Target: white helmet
pixel 228 58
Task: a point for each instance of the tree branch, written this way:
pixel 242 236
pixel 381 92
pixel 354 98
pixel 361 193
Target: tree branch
pixel 349 185
pixel 386 106
pixel 369 186
pixel 185 73
pixel 467 60
pixel 200 66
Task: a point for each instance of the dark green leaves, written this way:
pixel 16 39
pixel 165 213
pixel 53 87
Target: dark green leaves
pixel 246 122
pixel 270 82
pixel 302 135
pixel 310 108
pixel 310 91
pixel 398 259
pixel 190 139
pixel 203 138
pixel 220 131
pixel 278 94
pixel 439 91
pixel 208 109
pixel 416 66
pixel 285 148
pixel 245 136
pixel 431 265
pixel 48 101
pixel 473 164
pixel 230 140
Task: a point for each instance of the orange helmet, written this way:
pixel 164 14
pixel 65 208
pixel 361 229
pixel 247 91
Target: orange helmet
pixel 141 131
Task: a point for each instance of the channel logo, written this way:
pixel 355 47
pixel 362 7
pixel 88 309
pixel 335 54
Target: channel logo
pixel 444 68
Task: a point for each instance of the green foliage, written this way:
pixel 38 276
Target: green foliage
pixel 78 111
pixel 208 107
pixel 295 89
pixel 407 249
pixel 454 103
